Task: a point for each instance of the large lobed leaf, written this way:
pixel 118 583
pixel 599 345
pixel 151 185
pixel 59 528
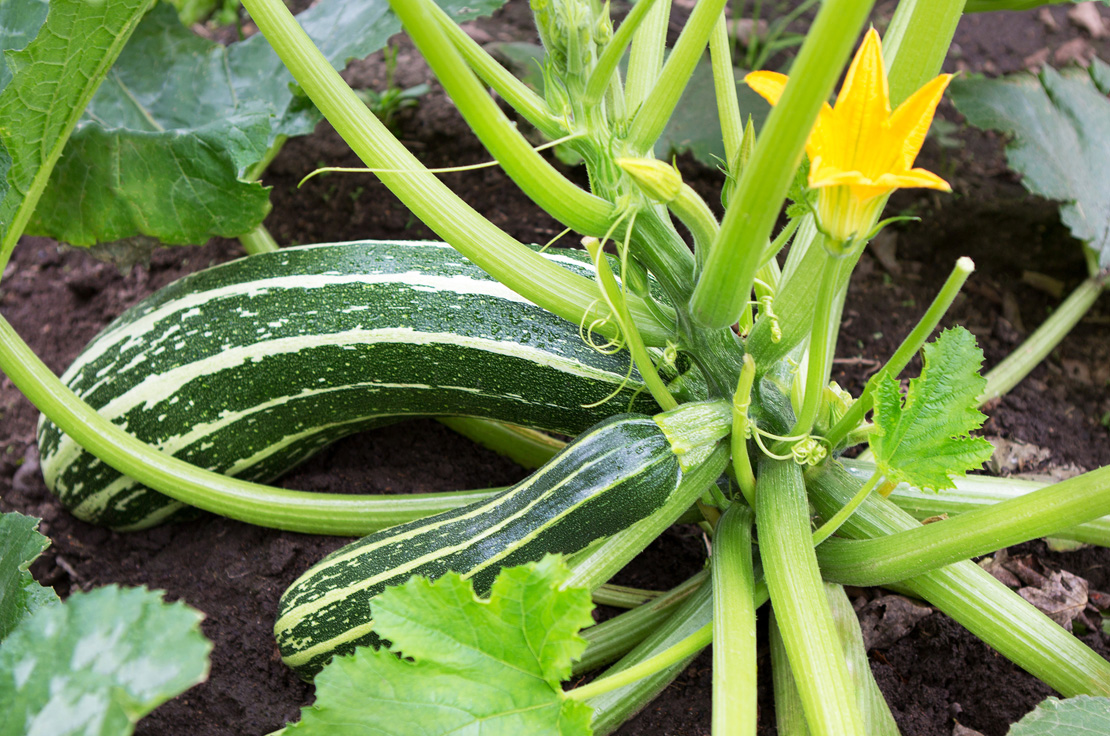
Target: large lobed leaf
pixel 20 595
pixel 97 663
pixel 470 666
pixel 1079 716
pixel 923 440
pixel 52 63
pixel 1060 124
pixel 166 147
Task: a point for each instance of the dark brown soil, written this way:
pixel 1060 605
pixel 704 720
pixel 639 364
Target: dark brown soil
pixel 58 299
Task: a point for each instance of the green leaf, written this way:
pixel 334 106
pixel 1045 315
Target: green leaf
pixel 1060 124
pixel 1082 715
pixel 923 440
pixel 20 595
pixel 97 663
pixel 491 667
pixel 167 147
pixel 49 82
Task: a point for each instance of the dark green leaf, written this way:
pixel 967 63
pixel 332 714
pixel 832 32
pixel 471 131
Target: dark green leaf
pixel 923 440
pixel 1082 715
pixel 167 145
pixel 49 80
pixel 97 663
pixel 1060 124
pixel 491 667
pixel 20 595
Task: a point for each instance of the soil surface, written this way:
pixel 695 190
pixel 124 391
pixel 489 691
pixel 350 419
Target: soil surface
pixel 934 676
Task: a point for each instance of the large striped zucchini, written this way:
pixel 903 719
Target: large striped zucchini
pixel 612 476
pixel 250 367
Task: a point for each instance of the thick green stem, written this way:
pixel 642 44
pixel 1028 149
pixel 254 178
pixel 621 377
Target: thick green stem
pixel 258 241
pixel 973 492
pixel 829 528
pixel 610 58
pixel 646 58
pixel 651 119
pixel 914 551
pixel 916 43
pixel 510 262
pixel 790 718
pixel 526 447
pixel 798 597
pixel 726 282
pixel 519 96
pixel 905 352
pixel 314 513
pixel 734 645
pixel 1021 362
pixel 676 653
pixel 612 639
pixel 972 597
pixel 536 177
pixel 822 340
pixel 724 89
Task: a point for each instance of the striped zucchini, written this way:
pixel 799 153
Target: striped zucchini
pixel 250 367
pixel 609 478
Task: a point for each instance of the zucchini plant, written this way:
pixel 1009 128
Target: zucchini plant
pixel 692 370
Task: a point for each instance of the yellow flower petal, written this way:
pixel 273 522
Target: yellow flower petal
pixel 919 178
pixel 863 105
pixel 911 121
pixel 769 85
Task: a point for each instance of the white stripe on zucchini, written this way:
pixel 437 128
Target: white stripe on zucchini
pixel 250 367
pixel 608 479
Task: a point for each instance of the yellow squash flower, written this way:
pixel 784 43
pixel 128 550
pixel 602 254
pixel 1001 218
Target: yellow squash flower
pixel 858 150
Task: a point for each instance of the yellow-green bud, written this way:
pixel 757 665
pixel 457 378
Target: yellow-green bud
pixel 658 180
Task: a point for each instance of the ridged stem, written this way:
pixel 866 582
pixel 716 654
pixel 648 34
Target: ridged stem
pixel 724 90
pixel 735 709
pixel 726 282
pixel 610 58
pixel 801 608
pixel 258 240
pixel 914 551
pixel 1027 356
pixel 536 177
pixel 646 57
pixel 972 597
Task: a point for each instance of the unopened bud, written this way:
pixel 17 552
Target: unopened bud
pixel 658 180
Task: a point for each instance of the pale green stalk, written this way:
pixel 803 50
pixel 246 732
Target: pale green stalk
pixel 735 709
pixel 726 282
pixel 610 57
pixel 724 89
pixel 1027 356
pixel 652 117
pixel 536 177
pixel 646 58
pixel 529 274
pixel 741 401
pixel 258 241
pixel 905 352
pixel 790 718
pixel 914 551
pixel 798 597
pixel 837 520
pixel 528 448
pixel 972 597
pixel 822 342
pixel 916 43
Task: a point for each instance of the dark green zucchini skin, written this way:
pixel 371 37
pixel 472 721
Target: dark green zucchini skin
pixel 612 476
pixel 251 367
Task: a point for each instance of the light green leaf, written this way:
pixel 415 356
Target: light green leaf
pixel 923 440
pixel 20 595
pixel 97 663
pixel 167 146
pixel 1079 716
pixel 1060 124
pixel 491 667
pixel 50 80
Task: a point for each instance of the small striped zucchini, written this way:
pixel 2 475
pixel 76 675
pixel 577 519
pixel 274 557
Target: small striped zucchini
pixel 611 477
pixel 251 367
